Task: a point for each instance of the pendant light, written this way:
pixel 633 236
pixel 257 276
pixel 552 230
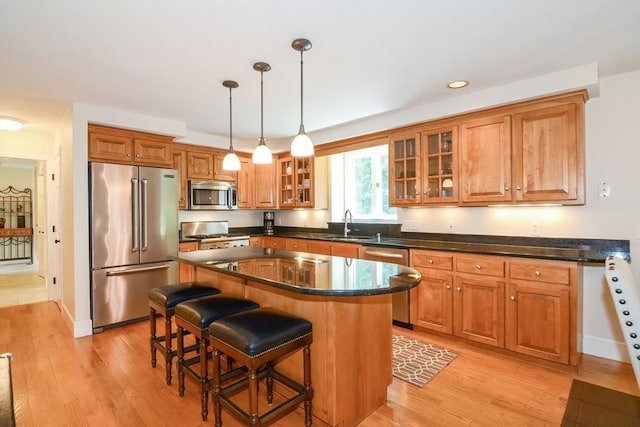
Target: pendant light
pixel 301 146
pixel 262 155
pixel 231 162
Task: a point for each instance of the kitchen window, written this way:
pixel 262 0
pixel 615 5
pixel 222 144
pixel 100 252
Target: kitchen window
pixel 363 175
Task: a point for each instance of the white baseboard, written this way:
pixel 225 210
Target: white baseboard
pixel 608 349
pixel 80 328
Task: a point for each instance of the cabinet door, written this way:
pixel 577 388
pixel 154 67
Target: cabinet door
pixel 478 306
pixel 299 245
pixel 319 247
pixel 257 242
pixel 245 184
pixel 264 182
pixel 274 242
pixel 548 161
pixel 110 147
pixel 186 271
pixel 538 321
pixel 200 165
pixel 180 163
pixel 346 250
pixel 485 160
pixel 220 174
pixel 432 301
pixel 439 165
pixel 151 152
pixel 304 182
pixel 404 173
pixel 286 183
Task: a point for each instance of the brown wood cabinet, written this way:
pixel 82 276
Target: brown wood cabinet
pixel 528 306
pixel 199 165
pixel 113 145
pixel 530 152
pixel 265 186
pixel 245 184
pixel 220 174
pixel 186 271
pixel 180 163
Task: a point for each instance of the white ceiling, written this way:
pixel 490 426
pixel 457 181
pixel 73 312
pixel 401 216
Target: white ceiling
pixel 168 58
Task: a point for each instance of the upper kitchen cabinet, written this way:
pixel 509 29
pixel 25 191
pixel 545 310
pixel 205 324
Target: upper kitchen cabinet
pixel 180 163
pixel 404 173
pixel 199 165
pixel 439 165
pixel 485 160
pixel 245 183
pixel 548 154
pixel 265 186
pixel 129 147
pixel 220 174
pixel 302 182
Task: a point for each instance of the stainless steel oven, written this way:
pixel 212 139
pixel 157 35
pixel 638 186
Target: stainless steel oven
pixel 400 300
pixel 212 195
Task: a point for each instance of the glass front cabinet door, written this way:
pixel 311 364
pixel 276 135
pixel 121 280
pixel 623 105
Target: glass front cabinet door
pixel 404 152
pixel 439 166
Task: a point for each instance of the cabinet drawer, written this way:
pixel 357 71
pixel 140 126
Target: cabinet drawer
pixel 275 242
pixel 297 245
pixel 431 260
pixel 187 246
pixel 540 272
pixel 480 265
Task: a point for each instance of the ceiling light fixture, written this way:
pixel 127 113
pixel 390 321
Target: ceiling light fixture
pixel 301 146
pixel 457 84
pixel 231 162
pixel 10 123
pixel 262 155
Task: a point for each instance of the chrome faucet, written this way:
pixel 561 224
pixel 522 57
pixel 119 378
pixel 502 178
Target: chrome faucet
pixel 346 228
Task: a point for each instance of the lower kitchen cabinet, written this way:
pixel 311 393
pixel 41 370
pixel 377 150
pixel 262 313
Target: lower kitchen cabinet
pixel 187 271
pixel 528 306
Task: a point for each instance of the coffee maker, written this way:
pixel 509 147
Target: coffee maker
pixel 269 222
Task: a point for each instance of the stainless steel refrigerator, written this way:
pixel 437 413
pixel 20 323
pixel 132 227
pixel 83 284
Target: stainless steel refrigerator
pixel 133 233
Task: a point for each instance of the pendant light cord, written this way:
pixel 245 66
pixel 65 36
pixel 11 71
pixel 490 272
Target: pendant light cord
pixel 230 124
pixel 301 89
pixel 261 108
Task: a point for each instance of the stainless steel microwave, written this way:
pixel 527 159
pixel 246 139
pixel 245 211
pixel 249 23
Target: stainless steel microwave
pixel 212 195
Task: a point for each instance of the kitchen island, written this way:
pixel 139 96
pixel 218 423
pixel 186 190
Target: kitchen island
pixel 348 302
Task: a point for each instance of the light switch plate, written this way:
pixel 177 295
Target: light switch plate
pixel 604 189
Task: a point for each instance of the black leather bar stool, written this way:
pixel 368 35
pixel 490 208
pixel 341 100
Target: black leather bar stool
pixel 257 339
pixel 163 300
pixel 195 316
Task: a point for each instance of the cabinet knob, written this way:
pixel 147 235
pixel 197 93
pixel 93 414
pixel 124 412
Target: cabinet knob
pixel 458 289
pixel 507 188
pixel 448 286
pixel 478 267
pixel 128 155
pixel 518 188
pixel 512 298
pixel 430 261
pixel 537 273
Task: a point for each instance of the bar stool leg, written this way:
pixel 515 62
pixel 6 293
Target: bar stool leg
pixel 254 419
pixel 180 340
pixel 203 378
pixel 217 407
pixel 269 382
pixel 306 353
pixel 167 345
pixel 152 335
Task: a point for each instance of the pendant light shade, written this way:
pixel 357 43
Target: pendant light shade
pixel 262 154
pixel 301 146
pixel 231 162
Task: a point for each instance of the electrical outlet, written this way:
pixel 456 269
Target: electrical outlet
pixel 535 229
pixel 451 228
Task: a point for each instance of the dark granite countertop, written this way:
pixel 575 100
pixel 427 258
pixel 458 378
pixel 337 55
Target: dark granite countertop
pixel 306 273
pixel 562 249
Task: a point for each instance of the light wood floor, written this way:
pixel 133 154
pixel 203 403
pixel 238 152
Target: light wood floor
pixel 21 288
pixel 106 380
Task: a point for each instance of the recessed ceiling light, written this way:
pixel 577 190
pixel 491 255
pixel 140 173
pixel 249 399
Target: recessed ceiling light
pixel 457 84
pixel 10 123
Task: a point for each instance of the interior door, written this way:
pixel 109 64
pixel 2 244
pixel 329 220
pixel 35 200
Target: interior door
pixel 41 224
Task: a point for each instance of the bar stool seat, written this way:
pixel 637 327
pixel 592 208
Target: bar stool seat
pixel 195 316
pixel 162 301
pixel 257 339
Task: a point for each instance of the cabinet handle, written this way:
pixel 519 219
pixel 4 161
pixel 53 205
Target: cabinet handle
pixel 512 297
pixel 448 286
pixel 518 188
pixel 537 273
pixel 458 289
pixel 477 266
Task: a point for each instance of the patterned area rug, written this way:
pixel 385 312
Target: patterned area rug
pixel 417 362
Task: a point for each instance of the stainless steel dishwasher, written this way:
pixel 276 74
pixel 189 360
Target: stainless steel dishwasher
pixel 400 300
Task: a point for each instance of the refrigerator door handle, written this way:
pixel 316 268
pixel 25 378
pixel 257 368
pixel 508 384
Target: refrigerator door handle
pixel 135 230
pixel 144 215
pixel 137 270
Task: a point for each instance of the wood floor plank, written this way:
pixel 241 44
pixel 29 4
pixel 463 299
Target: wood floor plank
pixel 107 380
